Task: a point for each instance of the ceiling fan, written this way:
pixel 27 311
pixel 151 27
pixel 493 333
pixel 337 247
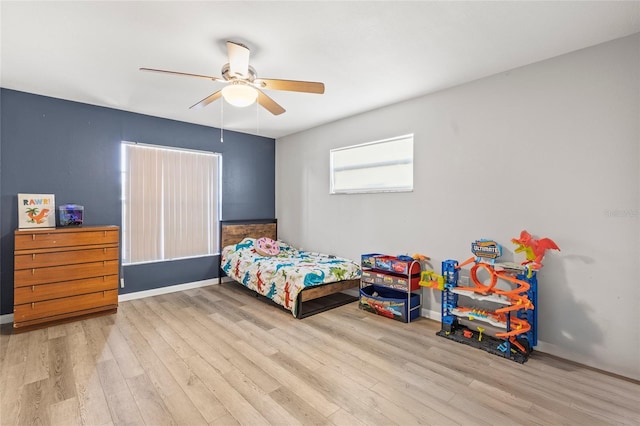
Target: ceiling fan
pixel 243 87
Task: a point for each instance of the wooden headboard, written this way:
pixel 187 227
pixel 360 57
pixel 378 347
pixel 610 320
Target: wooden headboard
pixel 234 231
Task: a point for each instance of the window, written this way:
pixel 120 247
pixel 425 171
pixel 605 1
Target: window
pixel 382 166
pixel 170 203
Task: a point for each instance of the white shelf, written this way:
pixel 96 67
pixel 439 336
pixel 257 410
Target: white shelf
pixel 474 316
pixel 496 298
pixel 510 266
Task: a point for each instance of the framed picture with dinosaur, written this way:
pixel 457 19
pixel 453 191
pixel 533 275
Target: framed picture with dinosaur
pixel 36 211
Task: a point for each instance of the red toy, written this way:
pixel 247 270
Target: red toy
pixel 534 249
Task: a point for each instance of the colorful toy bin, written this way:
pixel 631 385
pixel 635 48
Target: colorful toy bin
pixel 369 260
pixel 396 265
pixel 389 303
pixel 396 282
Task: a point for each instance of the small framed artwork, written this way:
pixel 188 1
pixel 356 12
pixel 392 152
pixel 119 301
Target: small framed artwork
pixel 36 211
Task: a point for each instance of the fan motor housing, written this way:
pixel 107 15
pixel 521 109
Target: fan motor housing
pixel 226 74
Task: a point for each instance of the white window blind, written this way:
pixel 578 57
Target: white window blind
pixel 170 203
pixel 381 166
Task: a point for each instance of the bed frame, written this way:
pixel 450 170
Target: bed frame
pixel 311 300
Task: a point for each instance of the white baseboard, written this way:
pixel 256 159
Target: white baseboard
pixel 434 315
pixel 579 358
pixel 550 349
pixel 8 318
pixel 169 289
pixel 543 347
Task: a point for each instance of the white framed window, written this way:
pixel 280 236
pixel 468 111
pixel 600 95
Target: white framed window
pixel 380 166
pixel 170 203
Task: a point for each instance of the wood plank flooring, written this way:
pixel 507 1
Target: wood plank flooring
pixel 220 356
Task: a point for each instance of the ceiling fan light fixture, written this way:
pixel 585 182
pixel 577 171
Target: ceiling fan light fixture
pixel 242 85
pixel 239 95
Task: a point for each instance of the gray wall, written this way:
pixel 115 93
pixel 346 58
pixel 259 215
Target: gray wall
pixel 72 150
pixel 553 147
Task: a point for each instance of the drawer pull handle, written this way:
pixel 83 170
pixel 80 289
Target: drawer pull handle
pixel 33 288
pixel 33 305
pixel 104 263
pixel 105 233
pixel 104 250
pixel 33 256
pixel 33 237
pixel 33 271
pixel 104 293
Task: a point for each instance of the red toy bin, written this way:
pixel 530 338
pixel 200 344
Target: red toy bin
pixel 402 266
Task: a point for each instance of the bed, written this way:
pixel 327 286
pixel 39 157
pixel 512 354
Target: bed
pixel 301 282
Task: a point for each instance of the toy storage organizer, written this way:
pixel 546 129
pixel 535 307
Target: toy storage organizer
pixel 466 325
pixel 389 287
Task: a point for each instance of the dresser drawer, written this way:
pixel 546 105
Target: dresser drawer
pixel 38 293
pixel 67 257
pixel 51 308
pixel 30 240
pixel 34 276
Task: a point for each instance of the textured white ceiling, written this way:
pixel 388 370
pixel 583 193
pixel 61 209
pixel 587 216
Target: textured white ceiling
pixel 368 54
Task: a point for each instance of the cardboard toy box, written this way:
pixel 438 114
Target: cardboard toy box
pixel 389 303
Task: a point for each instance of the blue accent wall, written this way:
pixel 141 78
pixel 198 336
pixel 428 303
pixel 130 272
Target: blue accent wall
pixel 72 150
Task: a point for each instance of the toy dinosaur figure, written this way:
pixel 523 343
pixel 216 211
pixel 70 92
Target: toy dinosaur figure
pixel 534 249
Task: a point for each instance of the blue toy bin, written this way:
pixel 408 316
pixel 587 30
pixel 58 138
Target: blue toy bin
pixel 388 303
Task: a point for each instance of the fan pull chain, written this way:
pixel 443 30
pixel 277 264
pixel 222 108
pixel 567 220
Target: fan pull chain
pixel 222 121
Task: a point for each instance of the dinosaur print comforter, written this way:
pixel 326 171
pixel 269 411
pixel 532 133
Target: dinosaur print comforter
pixel 283 276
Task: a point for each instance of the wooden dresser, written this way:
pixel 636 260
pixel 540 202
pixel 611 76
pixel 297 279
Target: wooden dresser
pixel 64 274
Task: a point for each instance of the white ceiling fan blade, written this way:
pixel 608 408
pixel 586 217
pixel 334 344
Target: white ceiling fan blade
pixel 238 59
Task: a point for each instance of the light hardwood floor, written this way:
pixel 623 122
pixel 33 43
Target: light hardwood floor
pixel 218 355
